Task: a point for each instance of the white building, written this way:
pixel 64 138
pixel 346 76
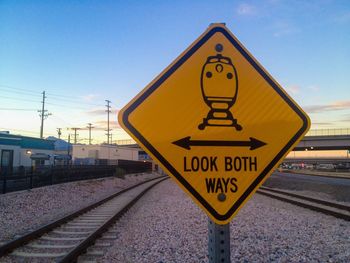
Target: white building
pixel 105 154
pixel 16 150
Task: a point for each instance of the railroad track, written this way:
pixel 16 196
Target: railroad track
pixel 326 207
pixel 70 238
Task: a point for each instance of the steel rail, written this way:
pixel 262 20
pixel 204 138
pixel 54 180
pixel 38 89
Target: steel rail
pixel 318 201
pixel 325 207
pixel 73 255
pixel 18 242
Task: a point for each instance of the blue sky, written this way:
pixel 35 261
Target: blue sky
pixel 85 52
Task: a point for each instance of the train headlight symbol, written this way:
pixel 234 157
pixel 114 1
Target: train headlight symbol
pixel 219 85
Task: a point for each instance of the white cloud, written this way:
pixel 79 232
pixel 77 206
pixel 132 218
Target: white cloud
pixel 313 88
pixel 112 124
pixel 343 18
pixel 293 89
pixel 246 9
pixel 337 105
pixel 89 97
pixel 282 28
pixel 97 112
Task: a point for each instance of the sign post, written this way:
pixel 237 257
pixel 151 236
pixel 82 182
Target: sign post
pixel 218 242
pixel 217 123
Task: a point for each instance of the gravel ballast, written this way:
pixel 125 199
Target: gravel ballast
pixel 29 209
pixel 166 226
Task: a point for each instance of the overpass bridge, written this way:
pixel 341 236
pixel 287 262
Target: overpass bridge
pixel 320 143
pixel 321 139
pixel 325 139
pixel 313 160
pixel 315 140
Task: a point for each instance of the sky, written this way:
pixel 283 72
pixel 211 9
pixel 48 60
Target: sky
pixel 82 53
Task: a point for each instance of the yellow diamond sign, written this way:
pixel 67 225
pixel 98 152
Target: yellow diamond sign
pixel 216 121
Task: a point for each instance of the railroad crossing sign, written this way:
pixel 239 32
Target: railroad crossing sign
pixel 216 121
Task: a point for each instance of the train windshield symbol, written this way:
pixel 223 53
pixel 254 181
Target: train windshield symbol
pixel 219 84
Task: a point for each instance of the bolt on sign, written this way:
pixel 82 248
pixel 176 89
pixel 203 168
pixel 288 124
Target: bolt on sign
pixel 217 122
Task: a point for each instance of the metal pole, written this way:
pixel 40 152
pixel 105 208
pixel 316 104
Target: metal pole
pixel 218 242
pixel 51 175
pixel 90 127
pixel 4 184
pixel 75 135
pixel 59 132
pixel 68 150
pixel 31 179
pixel 42 116
pixel 108 111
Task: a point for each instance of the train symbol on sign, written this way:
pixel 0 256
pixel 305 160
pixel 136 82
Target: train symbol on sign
pixel 219 84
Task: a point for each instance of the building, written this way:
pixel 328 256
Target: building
pixel 110 155
pixel 104 154
pixel 63 151
pixel 17 150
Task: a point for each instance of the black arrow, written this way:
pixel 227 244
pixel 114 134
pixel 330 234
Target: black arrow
pixel 187 143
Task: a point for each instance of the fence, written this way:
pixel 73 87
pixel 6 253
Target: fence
pixel 27 178
pixel 329 132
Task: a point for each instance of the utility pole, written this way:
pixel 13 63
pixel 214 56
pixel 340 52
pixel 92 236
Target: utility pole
pixel 108 112
pixel 43 115
pixel 68 149
pixel 90 127
pixel 75 134
pixel 59 132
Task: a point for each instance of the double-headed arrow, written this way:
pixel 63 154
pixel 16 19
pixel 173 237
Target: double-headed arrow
pixel 187 143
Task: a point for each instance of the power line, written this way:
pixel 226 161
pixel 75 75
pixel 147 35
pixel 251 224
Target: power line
pixel 35 93
pixel 12 98
pixel 62 120
pixel 108 112
pixel 59 132
pixel 11 129
pixel 36 101
pixel 19 92
pixel 65 106
pixel 73 100
pixel 116 106
pixel 15 109
pixel 25 90
pixel 90 127
pixel 57 95
pixel 75 134
pixel 43 115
